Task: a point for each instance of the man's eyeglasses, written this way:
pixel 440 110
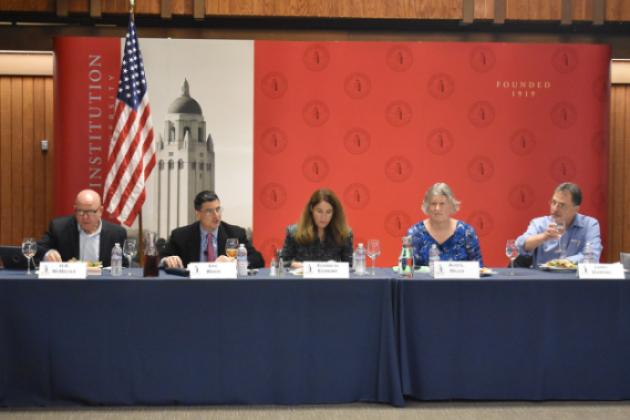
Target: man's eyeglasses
pixel 208 212
pixel 80 212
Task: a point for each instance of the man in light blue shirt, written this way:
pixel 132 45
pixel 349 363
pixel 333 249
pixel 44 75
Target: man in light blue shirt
pixel 564 233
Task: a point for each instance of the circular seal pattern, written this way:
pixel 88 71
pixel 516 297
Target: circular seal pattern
pixel 315 168
pixel 399 58
pixel 562 169
pixel 315 113
pixel 357 85
pixel 481 114
pixel 482 221
pixel 441 86
pixel 522 142
pixel 480 169
pixel 564 60
pixel 356 196
pixel 397 223
pixel 316 57
pixel 274 140
pixel 482 59
pixel 274 85
pixel 398 169
pixel 398 113
pixel 440 141
pixel 273 196
pixel 357 141
pixel 521 196
pixel 563 115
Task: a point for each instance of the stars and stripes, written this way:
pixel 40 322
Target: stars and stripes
pixel 132 153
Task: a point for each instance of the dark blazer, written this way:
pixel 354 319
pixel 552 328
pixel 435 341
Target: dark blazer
pixel 63 235
pixel 185 242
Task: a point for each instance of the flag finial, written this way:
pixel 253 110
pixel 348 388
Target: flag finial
pixel 132 4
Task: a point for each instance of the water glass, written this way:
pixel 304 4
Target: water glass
pixel 373 251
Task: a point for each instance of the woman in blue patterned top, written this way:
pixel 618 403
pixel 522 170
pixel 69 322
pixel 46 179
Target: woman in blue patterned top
pixel 321 233
pixel 456 240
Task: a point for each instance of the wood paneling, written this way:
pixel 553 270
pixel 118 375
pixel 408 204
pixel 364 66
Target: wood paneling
pixel 534 10
pixel 26 105
pixel 484 9
pixel 617 10
pixel 582 10
pixel 619 187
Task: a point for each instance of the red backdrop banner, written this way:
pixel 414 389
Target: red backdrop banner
pixel 86 82
pixel 380 122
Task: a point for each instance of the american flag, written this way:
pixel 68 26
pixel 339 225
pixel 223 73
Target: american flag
pixel 131 149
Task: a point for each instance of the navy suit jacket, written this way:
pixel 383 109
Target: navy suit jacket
pixel 63 235
pixel 185 242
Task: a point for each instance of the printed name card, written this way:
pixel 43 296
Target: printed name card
pixel 456 270
pixel 212 270
pixel 326 270
pixel 62 270
pixel 601 271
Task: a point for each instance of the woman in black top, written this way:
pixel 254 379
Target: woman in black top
pixel 321 234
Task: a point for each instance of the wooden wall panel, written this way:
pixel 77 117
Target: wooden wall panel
pixel 617 10
pixel 28 5
pixel 619 187
pixel 151 7
pixel 534 9
pixel 484 9
pixel 26 105
pixel 582 10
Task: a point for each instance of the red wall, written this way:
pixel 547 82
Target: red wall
pixel 380 122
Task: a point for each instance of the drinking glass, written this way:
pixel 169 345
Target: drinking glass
pixel 511 252
pixel 231 247
pixel 29 248
pixel 129 250
pixel 560 228
pixel 373 251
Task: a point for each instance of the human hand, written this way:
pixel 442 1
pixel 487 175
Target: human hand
pixel 52 256
pixel 173 262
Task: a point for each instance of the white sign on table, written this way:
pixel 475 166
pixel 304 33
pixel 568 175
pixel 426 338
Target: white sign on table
pixel 326 270
pixel 212 270
pixel 62 270
pixel 456 270
pixel 601 271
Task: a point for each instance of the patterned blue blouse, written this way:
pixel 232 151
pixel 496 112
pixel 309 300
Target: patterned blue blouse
pixel 463 245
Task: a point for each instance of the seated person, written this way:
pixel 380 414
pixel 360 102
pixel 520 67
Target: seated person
pixel 456 240
pixel 545 241
pixel 321 233
pixel 205 239
pixel 84 236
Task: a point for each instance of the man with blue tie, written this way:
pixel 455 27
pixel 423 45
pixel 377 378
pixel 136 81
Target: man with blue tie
pixel 205 239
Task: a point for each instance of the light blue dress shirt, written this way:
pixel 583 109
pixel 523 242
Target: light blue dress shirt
pixel 583 229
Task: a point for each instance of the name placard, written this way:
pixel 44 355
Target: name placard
pixel 62 270
pixel 326 270
pixel 601 271
pixel 456 270
pixel 212 270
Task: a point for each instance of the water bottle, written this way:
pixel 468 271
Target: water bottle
pixel 241 261
pixel 117 256
pixel 589 255
pixel 405 261
pixel 359 260
pixel 434 255
pixel 273 267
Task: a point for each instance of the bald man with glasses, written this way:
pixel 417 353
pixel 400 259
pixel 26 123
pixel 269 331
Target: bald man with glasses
pixel 83 235
pixel 205 239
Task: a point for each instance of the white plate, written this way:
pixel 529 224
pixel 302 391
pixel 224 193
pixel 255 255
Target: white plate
pixel 558 269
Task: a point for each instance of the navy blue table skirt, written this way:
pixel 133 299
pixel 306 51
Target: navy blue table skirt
pixel 105 341
pixel 179 341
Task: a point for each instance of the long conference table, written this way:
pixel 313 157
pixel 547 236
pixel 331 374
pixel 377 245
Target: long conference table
pixel 267 340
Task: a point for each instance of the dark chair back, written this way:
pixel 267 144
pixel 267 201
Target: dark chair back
pixel 523 261
pixel 12 257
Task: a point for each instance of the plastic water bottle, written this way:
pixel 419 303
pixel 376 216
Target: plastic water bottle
pixel 589 255
pixel 359 260
pixel 273 267
pixel 434 255
pixel 117 256
pixel 405 261
pixel 241 261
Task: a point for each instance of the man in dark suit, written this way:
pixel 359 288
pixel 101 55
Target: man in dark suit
pixel 84 236
pixel 205 239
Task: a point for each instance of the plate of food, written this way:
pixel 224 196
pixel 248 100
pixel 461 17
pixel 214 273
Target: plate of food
pixel 486 272
pixel 559 265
